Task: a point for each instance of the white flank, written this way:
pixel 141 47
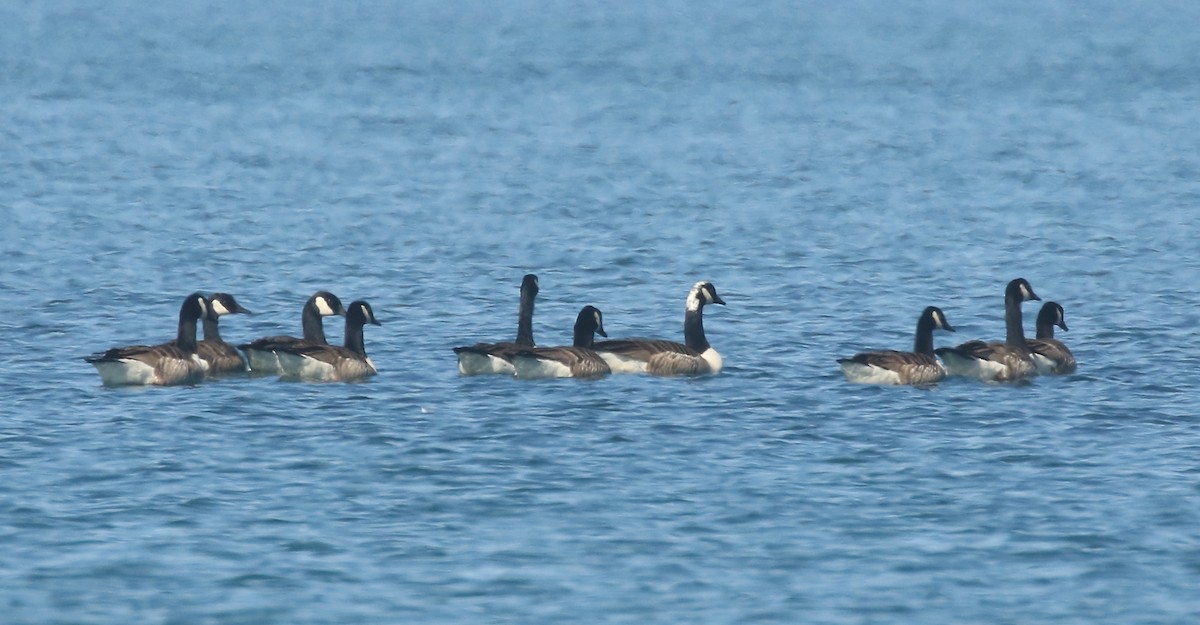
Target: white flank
pixel 986 370
pixel 305 368
pixel 530 368
pixel 470 363
pixel 621 364
pixel 126 372
pixel 263 361
pixel 1045 366
pixel 869 374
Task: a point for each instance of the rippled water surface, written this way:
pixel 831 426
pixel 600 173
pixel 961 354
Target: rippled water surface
pixel 833 170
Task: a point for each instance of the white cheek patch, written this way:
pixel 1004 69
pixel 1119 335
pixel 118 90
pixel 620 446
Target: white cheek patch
pixel 203 307
pixel 1025 293
pixel 323 307
pixel 219 308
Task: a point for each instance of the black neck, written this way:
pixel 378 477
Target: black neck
pixel 211 330
pixel 1014 334
pixel 1045 328
pixel 693 330
pixel 314 330
pixel 584 336
pixel 354 337
pixel 525 319
pixel 923 344
pixel 185 337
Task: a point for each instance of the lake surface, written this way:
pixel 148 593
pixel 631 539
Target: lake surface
pixel 832 169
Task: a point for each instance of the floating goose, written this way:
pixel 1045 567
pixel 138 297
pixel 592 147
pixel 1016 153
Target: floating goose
pixel 261 353
pixel 170 363
pixel 661 357
pixel 1050 354
pixel 997 362
pixel 893 367
pixel 484 358
pixel 577 361
pixel 220 356
pixel 333 363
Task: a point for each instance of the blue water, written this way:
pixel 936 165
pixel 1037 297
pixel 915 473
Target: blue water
pixel 832 169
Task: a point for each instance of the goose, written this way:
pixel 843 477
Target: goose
pixel 661 357
pixel 997 362
pixel 261 353
pixel 333 363
pixel 917 367
pixel 578 360
pixel 220 356
pixel 484 358
pixel 1049 353
pixel 170 363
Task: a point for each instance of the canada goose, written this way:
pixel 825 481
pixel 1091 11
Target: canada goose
pixel 661 357
pixel 577 361
pixel 220 356
pixel 998 362
pixel 1049 353
pixel 483 358
pixel 332 363
pixel 892 367
pixel 261 353
pixel 174 362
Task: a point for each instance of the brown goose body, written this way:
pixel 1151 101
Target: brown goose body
pixel 487 358
pixel 695 356
pixel 1009 361
pixel 918 367
pixel 166 364
pixel 1050 355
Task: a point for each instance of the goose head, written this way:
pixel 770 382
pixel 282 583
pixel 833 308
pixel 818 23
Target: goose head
pixel 224 304
pixel 1020 291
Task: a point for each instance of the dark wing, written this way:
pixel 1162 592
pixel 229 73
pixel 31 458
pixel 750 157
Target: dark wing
pixel 1056 351
pixel 273 343
pixel 676 363
pixel 500 350
pixel 221 356
pixel 582 361
pixel 894 360
pixel 329 354
pixel 643 349
pixel 145 353
pixel 977 349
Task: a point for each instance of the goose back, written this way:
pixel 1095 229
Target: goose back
pixel 166 364
pixel 262 354
pixel 1050 355
pixel 695 356
pixel 998 362
pixel 334 363
pixel 488 358
pixel 918 367
pixel 222 358
pixel 578 360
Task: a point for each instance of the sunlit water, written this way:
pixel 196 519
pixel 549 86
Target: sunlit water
pixel 833 170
